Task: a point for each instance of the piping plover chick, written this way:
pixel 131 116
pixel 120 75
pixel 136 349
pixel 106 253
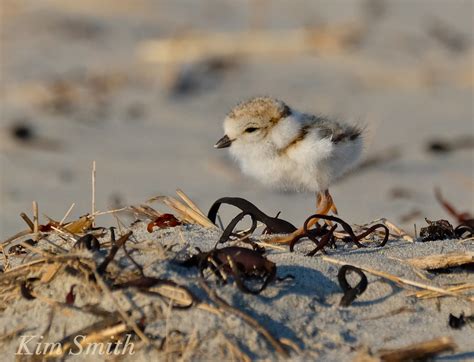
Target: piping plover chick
pixel 290 150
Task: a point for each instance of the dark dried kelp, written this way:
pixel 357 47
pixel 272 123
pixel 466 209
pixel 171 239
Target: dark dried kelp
pixel 274 225
pixel 351 293
pixel 244 265
pixel 327 237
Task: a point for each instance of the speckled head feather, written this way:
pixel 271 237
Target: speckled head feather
pixel 260 107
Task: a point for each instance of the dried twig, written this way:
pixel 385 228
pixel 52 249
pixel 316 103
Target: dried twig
pixel 441 261
pixel 418 351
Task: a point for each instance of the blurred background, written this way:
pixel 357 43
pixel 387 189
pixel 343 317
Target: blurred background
pixel 142 87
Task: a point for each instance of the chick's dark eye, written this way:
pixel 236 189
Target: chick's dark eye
pixel 251 129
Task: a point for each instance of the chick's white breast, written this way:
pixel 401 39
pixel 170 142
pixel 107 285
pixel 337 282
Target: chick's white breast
pixel 302 167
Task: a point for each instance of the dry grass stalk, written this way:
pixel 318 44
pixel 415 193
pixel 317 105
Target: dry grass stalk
pixel 396 229
pixel 196 47
pixel 224 306
pixel 91 334
pixel 427 294
pixel 190 347
pixel 186 212
pixel 418 351
pixel 50 272
pixel 401 281
pixel 190 203
pixel 16 236
pixel 28 221
pixel 113 211
pixel 176 294
pixel 146 210
pixel 80 225
pixel 237 353
pixel 122 313
pixel 441 261
pixel 35 221
pixel 67 213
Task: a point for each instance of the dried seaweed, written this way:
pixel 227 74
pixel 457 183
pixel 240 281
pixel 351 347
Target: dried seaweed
pixel 274 224
pixel 459 322
pixel 351 293
pixel 242 264
pixel 437 230
pixel 88 242
pixel 327 236
pixel 163 221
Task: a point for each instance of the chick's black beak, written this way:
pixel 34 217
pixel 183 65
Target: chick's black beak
pixel 223 142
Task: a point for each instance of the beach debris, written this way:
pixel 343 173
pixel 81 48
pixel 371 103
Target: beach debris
pixel 442 261
pixel 188 211
pixel 109 329
pixel 88 241
pixel 437 230
pixel 456 322
pixel 459 322
pixel 426 289
pixel 443 145
pixel 394 229
pixel 418 351
pixel 455 290
pixel 19 248
pixel 328 236
pixel 116 245
pixel 26 288
pixel 465 230
pixel 163 221
pixel 351 293
pixel 81 225
pixel 22 132
pixel 179 296
pixel 243 264
pixel 274 225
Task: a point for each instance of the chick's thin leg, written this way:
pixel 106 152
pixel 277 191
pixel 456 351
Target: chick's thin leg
pixel 324 204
